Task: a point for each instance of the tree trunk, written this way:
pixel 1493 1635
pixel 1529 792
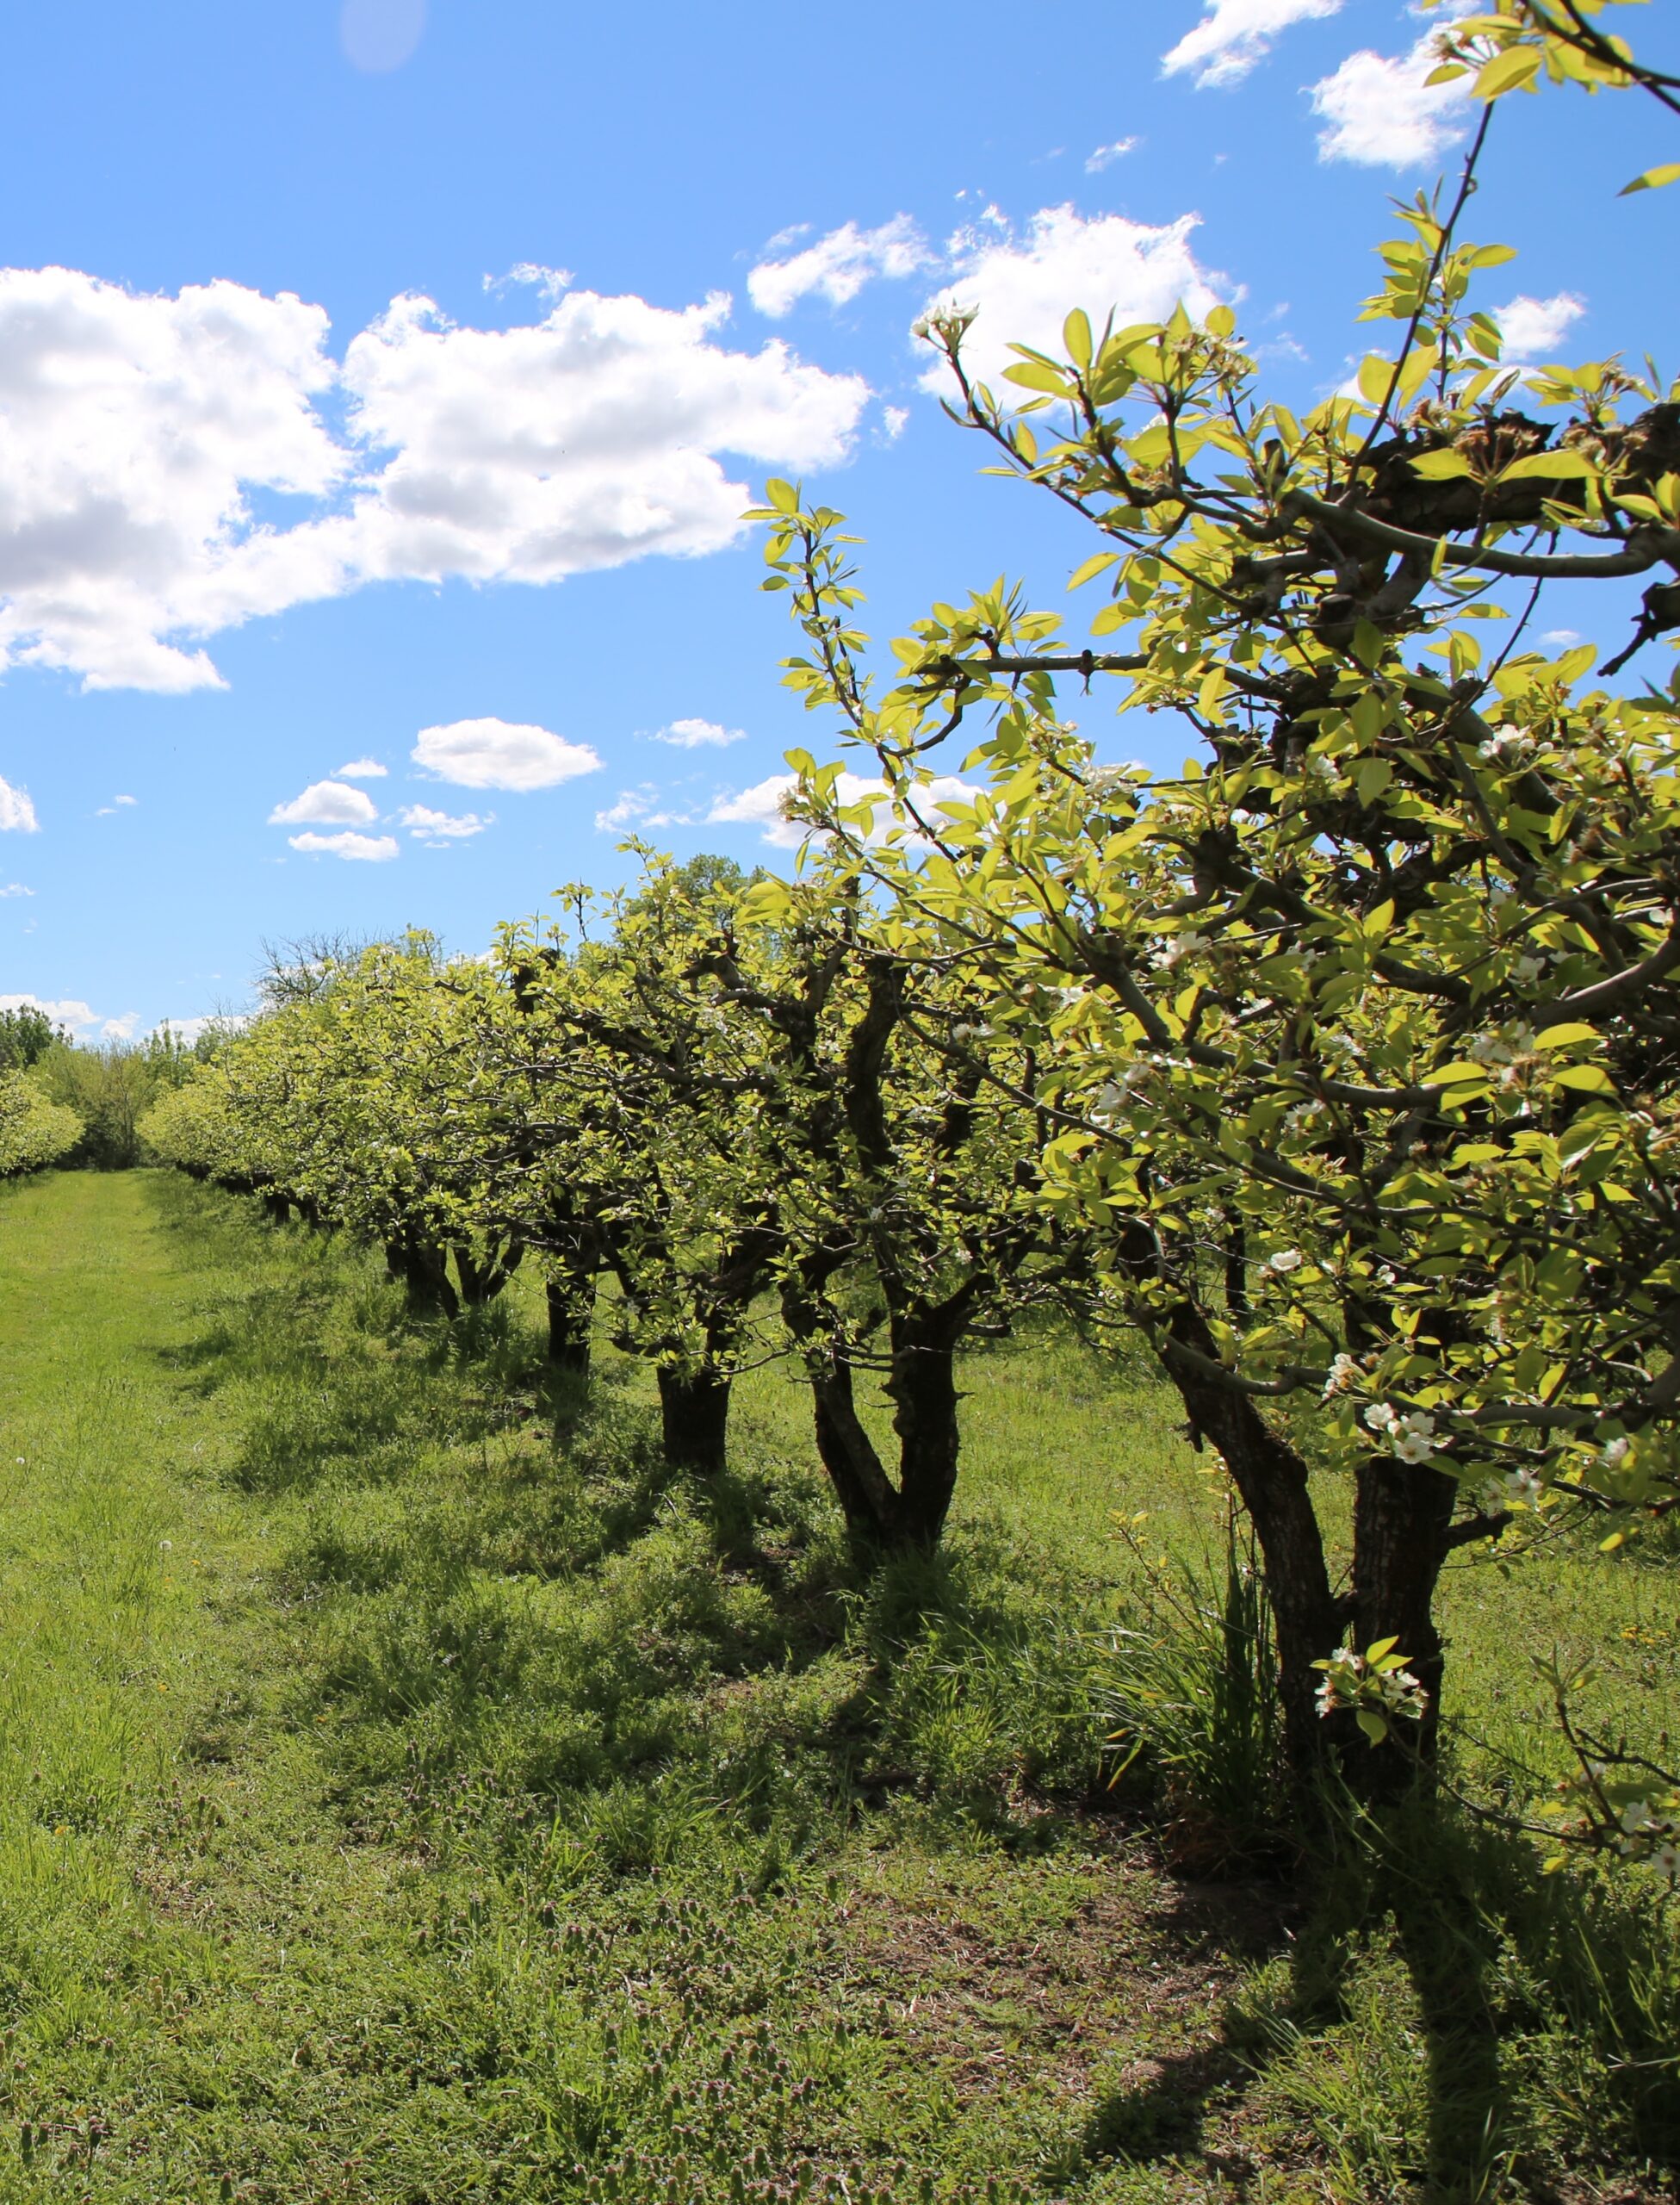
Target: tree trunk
pixel 923 1389
pixel 423 1267
pixel 275 1206
pixel 1402 1513
pixel 571 1312
pixel 480 1283
pixel 1271 1478
pixel 694 1418
pixel 861 1484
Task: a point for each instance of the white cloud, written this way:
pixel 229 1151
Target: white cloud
pixel 894 419
pixel 1096 162
pixel 579 442
pixel 640 807
pixel 326 804
pixel 361 769
pixel 1024 288
pixel 493 754
pixel 1532 328
pixel 1382 112
pixel 839 265
pixel 375 849
pixel 117 803
pixel 16 888
pixel 135 430
pixel 1562 636
pixel 765 805
pixel 699 735
pixel 85 1024
pixel 131 429
pixel 438 828
pixel 1234 34
pixel 125 799
pixel 17 812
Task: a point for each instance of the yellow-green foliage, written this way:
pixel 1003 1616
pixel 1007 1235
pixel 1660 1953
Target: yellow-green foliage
pixel 34 1132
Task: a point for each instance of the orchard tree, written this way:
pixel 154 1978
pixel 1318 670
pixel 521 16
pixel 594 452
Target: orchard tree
pixel 1359 1040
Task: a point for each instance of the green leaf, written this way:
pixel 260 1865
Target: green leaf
pixel 1374 1726
pixel 1032 377
pixel 1592 1079
pixel 1093 565
pixel 1667 173
pixel 781 496
pixel 1440 466
pixel 1559 1037
pixel 1077 336
pixel 1517 66
pixel 1555 463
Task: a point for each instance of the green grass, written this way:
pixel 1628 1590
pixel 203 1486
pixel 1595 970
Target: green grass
pixel 405 1797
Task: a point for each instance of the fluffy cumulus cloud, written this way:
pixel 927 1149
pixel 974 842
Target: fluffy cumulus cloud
pixel 362 769
pixel 837 266
pixel 765 805
pixel 1382 112
pixel 699 735
pixel 439 829
pixel 145 440
pixel 369 849
pixel 326 803
pixel 132 431
pixel 17 812
pixel 493 754
pixel 582 441
pixel 1024 284
pixel 1234 34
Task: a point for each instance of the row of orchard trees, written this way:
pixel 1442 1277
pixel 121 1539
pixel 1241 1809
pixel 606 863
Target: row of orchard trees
pixel 1343 1066
pixel 730 1099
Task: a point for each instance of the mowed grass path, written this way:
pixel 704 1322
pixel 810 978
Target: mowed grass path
pixel 412 1793
pixel 182 1929
pixel 380 1819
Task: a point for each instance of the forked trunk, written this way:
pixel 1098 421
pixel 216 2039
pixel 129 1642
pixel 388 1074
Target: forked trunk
pixel 481 1281
pixel 883 1516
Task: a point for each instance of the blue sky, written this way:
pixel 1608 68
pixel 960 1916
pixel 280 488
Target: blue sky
pixel 380 383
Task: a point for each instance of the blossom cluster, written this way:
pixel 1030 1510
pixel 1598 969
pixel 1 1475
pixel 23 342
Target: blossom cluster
pixel 1376 1685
